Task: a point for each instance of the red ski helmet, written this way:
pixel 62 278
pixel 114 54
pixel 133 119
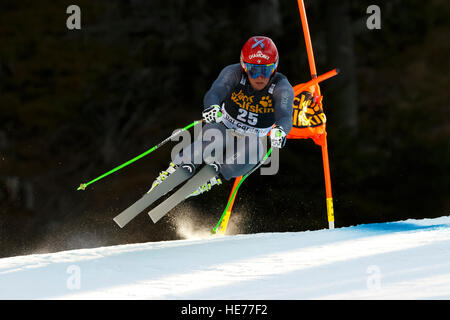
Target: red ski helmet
pixel 259 51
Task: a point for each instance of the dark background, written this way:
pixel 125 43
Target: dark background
pixel 76 103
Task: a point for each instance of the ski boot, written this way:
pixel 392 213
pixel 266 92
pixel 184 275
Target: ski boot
pixel 163 176
pixel 206 187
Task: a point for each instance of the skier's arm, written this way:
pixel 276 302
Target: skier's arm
pixel 228 78
pixel 284 98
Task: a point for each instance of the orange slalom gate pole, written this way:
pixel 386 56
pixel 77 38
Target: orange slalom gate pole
pixel 309 49
pixel 329 196
pixel 223 226
pixel 316 80
pixel 324 145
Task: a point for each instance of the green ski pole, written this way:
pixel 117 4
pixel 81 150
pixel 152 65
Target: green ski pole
pixel 84 185
pixel 214 230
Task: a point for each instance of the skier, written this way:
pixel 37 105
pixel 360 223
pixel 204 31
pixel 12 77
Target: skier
pixel 247 101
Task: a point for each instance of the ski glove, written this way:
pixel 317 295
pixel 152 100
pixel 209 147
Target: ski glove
pixel 277 137
pixel 212 114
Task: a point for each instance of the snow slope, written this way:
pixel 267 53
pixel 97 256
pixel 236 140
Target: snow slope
pixel 398 260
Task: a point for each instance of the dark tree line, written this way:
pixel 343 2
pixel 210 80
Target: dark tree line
pixel 74 104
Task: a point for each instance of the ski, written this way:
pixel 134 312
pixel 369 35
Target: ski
pixel 203 176
pixel 172 181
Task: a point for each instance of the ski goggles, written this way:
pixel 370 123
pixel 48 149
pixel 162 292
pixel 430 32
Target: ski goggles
pixel 256 70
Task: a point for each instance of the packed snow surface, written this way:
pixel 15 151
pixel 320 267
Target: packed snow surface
pixel 397 260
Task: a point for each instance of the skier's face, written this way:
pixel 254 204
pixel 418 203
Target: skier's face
pixel 259 83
